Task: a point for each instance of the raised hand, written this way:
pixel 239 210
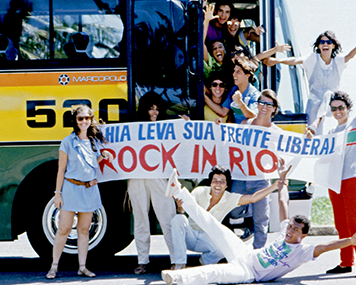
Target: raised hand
pixel 209 13
pixel 259 30
pixel 283 48
pixel 282 170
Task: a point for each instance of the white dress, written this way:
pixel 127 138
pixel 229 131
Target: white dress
pixel 323 80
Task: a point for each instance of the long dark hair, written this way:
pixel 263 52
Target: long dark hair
pixel 217 75
pixel 331 36
pixel 146 102
pixel 93 132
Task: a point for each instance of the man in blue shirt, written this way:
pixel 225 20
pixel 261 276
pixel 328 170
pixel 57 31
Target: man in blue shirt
pixel 243 95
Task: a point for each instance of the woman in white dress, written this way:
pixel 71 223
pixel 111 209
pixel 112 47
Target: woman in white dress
pixel 324 68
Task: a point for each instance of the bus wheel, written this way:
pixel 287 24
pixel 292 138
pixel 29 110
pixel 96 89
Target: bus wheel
pixel 97 230
pixel 109 232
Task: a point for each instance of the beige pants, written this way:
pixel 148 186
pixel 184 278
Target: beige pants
pixel 141 192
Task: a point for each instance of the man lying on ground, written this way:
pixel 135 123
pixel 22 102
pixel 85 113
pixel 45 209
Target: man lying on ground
pixel 285 254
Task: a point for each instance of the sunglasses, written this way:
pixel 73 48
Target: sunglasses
pixel 329 42
pixel 269 104
pixel 334 109
pixel 87 118
pixel 237 52
pixel 215 84
pixel 231 22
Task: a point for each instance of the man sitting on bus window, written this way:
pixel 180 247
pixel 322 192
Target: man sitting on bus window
pixel 217 201
pixel 285 254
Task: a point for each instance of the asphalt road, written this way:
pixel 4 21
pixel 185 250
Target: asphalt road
pixel 19 264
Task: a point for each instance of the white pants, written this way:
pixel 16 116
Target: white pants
pixel 141 192
pixel 238 270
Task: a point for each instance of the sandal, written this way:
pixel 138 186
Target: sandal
pixel 86 273
pixel 140 269
pixel 52 272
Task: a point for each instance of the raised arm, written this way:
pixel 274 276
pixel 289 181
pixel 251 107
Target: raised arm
pixel 271 61
pixel 272 51
pixel 283 201
pixel 208 16
pixel 257 196
pixel 336 244
pixel 350 55
pixel 283 195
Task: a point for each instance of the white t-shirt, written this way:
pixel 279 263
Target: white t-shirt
pixel 279 258
pixel 349 168
pixel 227 202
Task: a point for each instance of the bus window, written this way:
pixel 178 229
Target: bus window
pixel 41 35
pixel 291 81
pixel 160 55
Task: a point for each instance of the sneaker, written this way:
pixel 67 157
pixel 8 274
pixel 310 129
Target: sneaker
pixel 247 235
pixel 339 269
pixel 167 277
pixel 173 184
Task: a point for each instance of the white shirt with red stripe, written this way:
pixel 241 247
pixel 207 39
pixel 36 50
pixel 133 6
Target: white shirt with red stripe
pixel 349 169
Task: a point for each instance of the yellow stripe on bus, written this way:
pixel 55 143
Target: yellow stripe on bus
pixel 15 118
pixel 298 128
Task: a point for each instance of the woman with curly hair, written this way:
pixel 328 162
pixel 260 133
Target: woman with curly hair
pixel 144 192
pixel 324 68
pixel 76 188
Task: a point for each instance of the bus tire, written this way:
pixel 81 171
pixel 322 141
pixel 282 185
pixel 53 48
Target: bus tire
pixel 107 222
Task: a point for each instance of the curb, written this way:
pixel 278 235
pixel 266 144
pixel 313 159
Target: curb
pixel 322 231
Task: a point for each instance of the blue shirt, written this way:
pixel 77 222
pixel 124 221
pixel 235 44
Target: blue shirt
pixel 249 97
pixel 82 160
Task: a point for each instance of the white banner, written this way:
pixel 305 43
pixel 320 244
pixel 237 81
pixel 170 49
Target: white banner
pixel 153 149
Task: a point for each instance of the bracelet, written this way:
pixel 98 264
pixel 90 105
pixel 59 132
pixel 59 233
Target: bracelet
pixel 102 155
pixel 57 191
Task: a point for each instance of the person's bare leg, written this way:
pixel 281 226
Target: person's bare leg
pixel 84 221
pixel 64 228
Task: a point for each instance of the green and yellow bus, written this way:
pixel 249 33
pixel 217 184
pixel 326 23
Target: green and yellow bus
pixel 104 53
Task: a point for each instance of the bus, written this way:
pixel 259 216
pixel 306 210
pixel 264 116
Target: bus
pixel 106 54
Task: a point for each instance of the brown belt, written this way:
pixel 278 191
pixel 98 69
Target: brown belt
pixel 87 184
